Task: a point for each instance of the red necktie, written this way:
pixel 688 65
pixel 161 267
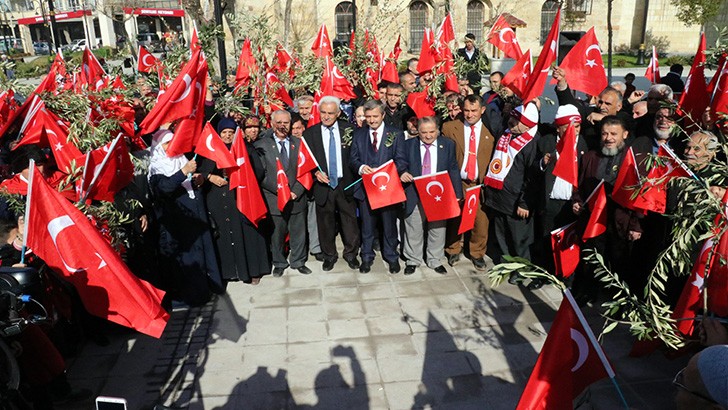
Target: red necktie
pixel 374 142
pixel 472 160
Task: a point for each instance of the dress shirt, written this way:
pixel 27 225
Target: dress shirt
pixel 326 135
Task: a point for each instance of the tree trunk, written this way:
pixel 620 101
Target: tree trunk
pixel 287 22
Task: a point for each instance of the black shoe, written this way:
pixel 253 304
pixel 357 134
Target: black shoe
pixel 353 263
pixel 536 284
pixel 514 279
pixel 278 272
pixel 365 267
pixel 328 265
pixel 479 264
pixel 394 268
pixel 452 259
pixel 409 269
pixel 319 256
pixel 440 269
pixel 304 270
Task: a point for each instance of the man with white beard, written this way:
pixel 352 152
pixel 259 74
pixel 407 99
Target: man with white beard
pixel 664 131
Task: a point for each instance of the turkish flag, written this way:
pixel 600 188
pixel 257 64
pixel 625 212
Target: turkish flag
pixel 719 98
pixel 584 66
pixel 108 169
pixel 653 193
pixel 68 243
pixel 653 69
pixel 15 185
pixel 389 71
pixel 537 80
pixel 567 164
pixel 321 46
pixel 597 204
pixel 717 282
pixel 690 302
pixel 628 180
pixel 195 41
pixel 210 146
pixel 437 196
pixel 178 101
pixel 422 104
pixel 397 50
pixel 504 39
pixel 428 53
pixel 64 151
pixel 283 59
pixel 570 360
pixel 517 77
pixel 334 83
pixel 695 98
pixel 447 67
pixel 306 164
pixel 383 186
pixel 246 66
pixel 446 31
pixel 566 247
pixel 372 49
pixel 372 77
pixel 315 117
pixel 249 199
pixel 57 74
pixel 147 61
pixel 92 74
pixel 470 209
pixel 189 128
pixel 280 91
pixel 45 129
pixel 284 191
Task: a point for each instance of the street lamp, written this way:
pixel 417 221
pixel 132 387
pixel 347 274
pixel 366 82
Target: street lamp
pixel 641 51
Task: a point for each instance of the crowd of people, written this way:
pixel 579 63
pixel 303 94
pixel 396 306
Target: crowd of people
pixel 190 238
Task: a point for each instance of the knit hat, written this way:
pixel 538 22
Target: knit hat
pixel 226 123
pixel 713 368
pixel 566 114
pixel 527 115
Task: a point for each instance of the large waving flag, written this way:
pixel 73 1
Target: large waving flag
pixel 537 80
pixel 504 38
pixel 584 66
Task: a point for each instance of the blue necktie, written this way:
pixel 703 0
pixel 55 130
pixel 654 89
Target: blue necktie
pixel 333 166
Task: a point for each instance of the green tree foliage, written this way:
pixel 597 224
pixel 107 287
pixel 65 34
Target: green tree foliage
pixel 699 12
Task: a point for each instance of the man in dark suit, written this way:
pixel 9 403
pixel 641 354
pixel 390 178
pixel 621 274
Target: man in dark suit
pixel 292 219
pixel 673 80
pixel 330 143
pixel 470 53
pixel 473 149
pixel 374 145
pixel 426 155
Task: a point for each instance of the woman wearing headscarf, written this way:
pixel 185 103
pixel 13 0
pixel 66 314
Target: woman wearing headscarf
pixel 185 243
pixel 242 250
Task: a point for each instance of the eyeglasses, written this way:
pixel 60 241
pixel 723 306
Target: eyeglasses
pixel 678 382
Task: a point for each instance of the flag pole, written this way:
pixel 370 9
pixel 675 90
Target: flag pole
pixel 353 183
pixel 31 172
pixel 595 344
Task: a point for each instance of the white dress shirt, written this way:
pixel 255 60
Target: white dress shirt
pixel 337 137
pixel 466 137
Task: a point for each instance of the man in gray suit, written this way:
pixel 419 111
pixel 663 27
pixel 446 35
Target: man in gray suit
pixel 292 219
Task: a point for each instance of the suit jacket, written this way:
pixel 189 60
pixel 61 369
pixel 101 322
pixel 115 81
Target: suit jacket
pixel 413 164
pixel 455 131
pixel 362 152
pixel 462 53
pixel 315 141
pixel 268 150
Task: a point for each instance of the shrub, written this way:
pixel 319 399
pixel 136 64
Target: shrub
pixel 34 68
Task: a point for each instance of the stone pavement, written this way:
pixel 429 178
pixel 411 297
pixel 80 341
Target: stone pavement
pixel 340 339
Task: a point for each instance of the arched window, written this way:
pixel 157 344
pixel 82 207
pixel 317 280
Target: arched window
pixel 418 22
pixel 344 13
pixel 476 12
pixel 548 13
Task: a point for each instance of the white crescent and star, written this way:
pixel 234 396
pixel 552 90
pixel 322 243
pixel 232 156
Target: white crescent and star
pixel 505 30
pixel 470 205
pixel 380 174
pixel 188 82
pixel 581 343
pixel 301 159
pixel 55 227
pixel 208 143
pixel 591 62
pixel 437 184
pixel 144 60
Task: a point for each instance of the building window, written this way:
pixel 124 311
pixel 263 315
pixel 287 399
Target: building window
pixel 344 13
pixel 418 22
pixel 476 11
pixel 548 14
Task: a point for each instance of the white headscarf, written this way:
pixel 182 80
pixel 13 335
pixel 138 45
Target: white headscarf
pixel 160 163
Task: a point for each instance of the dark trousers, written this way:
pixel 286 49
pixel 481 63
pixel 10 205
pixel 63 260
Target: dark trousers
pixel 295 225
pixel 512 234
pixel 326 219
pixel 370 220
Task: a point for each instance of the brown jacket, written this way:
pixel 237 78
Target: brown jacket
pixel 454 130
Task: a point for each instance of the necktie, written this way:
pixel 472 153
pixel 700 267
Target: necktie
pixel 427 161
pixel 472 160
pixel 284 154
pixel 374 141
pixel 333 166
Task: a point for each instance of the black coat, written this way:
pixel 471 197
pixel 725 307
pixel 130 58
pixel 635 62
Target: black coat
pixel 362 153
pixel 517 191
pixel 315 142
pixel 269 153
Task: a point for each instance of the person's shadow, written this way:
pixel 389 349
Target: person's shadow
pixel 333 391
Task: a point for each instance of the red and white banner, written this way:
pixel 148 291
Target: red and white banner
pixel 154 12
pixel 59 16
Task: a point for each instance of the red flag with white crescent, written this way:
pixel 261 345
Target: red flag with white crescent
pixel 284 190
pixel 504 39
pixel 571 359
pixel 70 245
pixel 306 164
pixel 567 163
pixel 321 46
pixel 653 69
pixel 597 205
pixel 470 209
pixel 695 97
pixel 584 66
pixel 537 80
pixel 383 186
pixel 437 196
pixel 446 31
pixel 210 145
pixel 249 199
pixel 517 78
pixel 147 61
pixel 566 249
